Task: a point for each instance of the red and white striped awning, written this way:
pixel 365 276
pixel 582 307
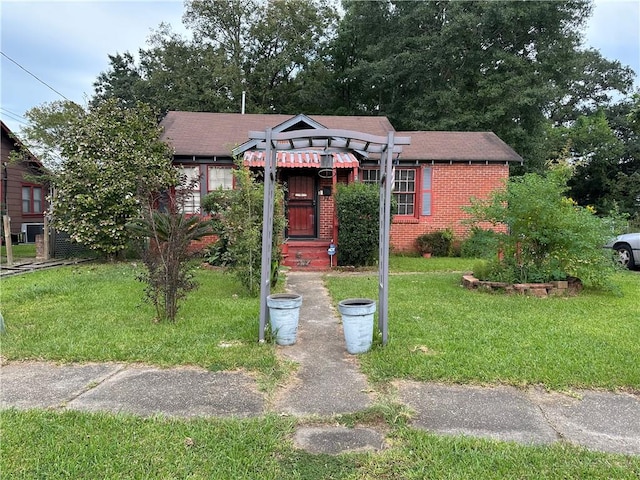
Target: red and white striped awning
pixel 307 159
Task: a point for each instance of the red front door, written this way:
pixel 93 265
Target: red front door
pixel 301 206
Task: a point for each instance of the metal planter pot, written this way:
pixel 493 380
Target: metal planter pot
pixel 357 322
pixel 284 313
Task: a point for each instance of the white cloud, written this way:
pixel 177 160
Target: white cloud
pixel 614 29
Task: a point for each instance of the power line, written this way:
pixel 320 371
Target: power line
pixel 13 116
pixel 34 76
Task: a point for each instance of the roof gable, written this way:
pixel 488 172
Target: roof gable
pixel 299 122
pixel 217 134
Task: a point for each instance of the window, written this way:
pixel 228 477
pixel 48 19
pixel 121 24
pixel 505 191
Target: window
pixel 404 188
pixel 31 199
pixel 192 200
pixel 219 177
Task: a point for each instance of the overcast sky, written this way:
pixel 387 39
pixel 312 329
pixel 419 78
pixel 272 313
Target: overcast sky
pixel 65 44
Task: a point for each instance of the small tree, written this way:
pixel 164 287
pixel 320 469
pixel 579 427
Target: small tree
pixel 167 235
pixel 358 207
pixel 239 224
pixel 105 161
pixel 549 236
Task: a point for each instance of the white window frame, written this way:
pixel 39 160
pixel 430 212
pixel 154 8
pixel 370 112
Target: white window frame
pixel 219 177
pixel 192 200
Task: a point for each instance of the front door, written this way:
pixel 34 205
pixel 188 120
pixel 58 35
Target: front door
pixel 301 206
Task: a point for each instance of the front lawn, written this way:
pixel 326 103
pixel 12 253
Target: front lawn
pixel 439 331
pixel 96 313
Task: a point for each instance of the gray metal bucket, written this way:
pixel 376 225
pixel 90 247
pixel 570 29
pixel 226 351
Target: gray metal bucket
pixel 357 323
pixel 284 312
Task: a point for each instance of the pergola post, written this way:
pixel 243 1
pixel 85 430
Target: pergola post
pixel 267 230
pixel 386 185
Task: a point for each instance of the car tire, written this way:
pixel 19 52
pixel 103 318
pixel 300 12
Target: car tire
pixel 625 256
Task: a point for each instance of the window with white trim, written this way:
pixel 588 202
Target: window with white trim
pixel 191 200
pixel 219 177
pixel 404 187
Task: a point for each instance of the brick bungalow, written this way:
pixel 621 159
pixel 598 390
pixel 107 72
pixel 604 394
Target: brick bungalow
pixel 434 176
pixel 23 197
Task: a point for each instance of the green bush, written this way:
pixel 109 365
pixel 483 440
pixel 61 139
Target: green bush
pixel 481 244
pixel 358 207
pixel 166 237
pixel 237 217
pixel 438 243
pixel 550 236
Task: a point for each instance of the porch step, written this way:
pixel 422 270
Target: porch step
pixel 309 255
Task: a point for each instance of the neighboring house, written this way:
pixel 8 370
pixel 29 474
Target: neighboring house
pixel 23 197
pixel 434 176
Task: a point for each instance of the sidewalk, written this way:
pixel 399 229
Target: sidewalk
pixel 328 382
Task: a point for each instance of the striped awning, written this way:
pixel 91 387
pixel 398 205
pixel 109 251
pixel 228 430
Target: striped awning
pixel 307 159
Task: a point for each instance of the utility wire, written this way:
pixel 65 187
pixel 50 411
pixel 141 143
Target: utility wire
pixel 34 76
pixel 13 116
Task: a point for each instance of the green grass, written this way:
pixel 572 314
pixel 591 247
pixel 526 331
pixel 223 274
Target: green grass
pixel 439 331
pixel 96 312
pixel 434 264
pixel 19 251
pixel 39 444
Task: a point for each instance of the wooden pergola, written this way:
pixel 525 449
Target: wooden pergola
pixel 329 140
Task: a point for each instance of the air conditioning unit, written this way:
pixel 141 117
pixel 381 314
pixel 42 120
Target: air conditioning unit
pixel 30 230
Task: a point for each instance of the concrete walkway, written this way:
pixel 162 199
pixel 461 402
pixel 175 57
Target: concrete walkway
pixel 328 382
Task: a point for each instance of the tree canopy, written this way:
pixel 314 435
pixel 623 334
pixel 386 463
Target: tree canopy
pixel 518 69
pixel 111 160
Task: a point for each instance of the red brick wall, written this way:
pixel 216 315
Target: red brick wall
pixel 452 188
pixel 326 210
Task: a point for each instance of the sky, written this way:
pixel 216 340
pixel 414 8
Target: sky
pixel 65 44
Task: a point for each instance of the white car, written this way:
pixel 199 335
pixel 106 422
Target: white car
pixel 628 248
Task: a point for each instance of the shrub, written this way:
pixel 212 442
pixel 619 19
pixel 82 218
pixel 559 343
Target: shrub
pixel 550 237
pixel 165 254
pixel 358 207
pixel 238 222
pixel 481 243
pixel 438 243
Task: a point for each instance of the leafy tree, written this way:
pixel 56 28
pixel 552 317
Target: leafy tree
pixel 237 46
pixel 549 236
pixel 110 159
pixel 508 67
pixel 165 250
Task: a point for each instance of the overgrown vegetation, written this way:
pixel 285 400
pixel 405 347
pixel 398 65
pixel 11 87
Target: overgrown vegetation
pixel 238 223
pixel 358 207
pixel 549 236
pixel 165 239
